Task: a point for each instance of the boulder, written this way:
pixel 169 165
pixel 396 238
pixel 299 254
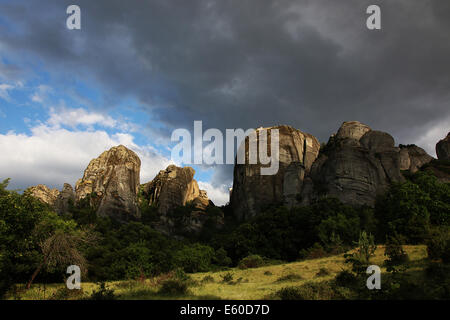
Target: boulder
pixel 111 182
pixel 352 129
pixel 377 141
pixel 253 191
pixel 443 148
pixel 44 193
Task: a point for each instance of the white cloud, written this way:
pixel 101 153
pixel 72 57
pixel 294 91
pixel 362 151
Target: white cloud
pixel 4 91
pixel 74 117
pixel 41 93
pixel 53 155
pixel 437 132
pixel 219 195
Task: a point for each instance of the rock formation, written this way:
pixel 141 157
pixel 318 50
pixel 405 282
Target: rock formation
pixel 352 129
pixel 64 197
pixel 443 148
pixel 412 158
pixel 112 183
pixel 44 193
pixel 356 165
pixel 176 187
pixel 253 191
pixel 172 188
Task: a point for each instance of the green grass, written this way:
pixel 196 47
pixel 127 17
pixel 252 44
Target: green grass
pixel 251 284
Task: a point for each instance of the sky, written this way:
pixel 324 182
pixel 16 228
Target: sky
pixel 137 70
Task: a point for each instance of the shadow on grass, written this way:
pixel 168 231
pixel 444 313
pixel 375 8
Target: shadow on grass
pixel 149 294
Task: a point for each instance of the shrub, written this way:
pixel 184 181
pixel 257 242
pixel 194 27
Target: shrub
pixel 438 244
pixel 267 273
pixel 290 277
pixel 308 291
pixel 404 210
pixel 181 275
pixel 103 293
pixel 207 279
pixel 346 279
pixel 437 271
pixel 227 277
pixel 66 294
pixel 195 258
pixel 173 287
pixel 397 257
pixel 322 272
pixel 315 252
pixel 361 258
pixel 221 258
pixel 253 261
pixel 289 293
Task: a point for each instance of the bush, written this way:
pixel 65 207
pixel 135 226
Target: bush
pixel 346 279
pixel 227 277
pixel 221 258
pixel 404 210
pixel 103 293
pixel 253 261
pixel 195 258
pixel 66 294
pixel 397 257
pixel 289 293
pixel 360 260
pixel 437 271
pixel 173 287
pixel 438 244
pixel 308 291
pixel 315 252
pixel 207 279
pixel 290 277
pixel 322 272
pixel 181 275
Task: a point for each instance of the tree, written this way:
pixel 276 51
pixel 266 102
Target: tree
pixel 360 259
pixel 62 248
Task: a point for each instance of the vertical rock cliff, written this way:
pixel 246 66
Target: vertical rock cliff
pixel 112 183
pixel 253 191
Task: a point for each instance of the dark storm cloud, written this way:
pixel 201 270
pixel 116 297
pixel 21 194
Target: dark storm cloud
pixel 242 64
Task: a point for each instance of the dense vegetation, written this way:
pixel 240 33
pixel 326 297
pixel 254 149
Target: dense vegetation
pixel 33 238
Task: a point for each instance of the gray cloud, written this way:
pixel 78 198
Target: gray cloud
pixel 242 64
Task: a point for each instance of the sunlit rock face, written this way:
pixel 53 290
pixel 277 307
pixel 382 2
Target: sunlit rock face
pixel 44 193
pixel 112 183
pixel 173 187
pixel 252 191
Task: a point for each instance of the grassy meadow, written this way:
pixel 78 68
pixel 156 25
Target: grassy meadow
pixel 252 284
